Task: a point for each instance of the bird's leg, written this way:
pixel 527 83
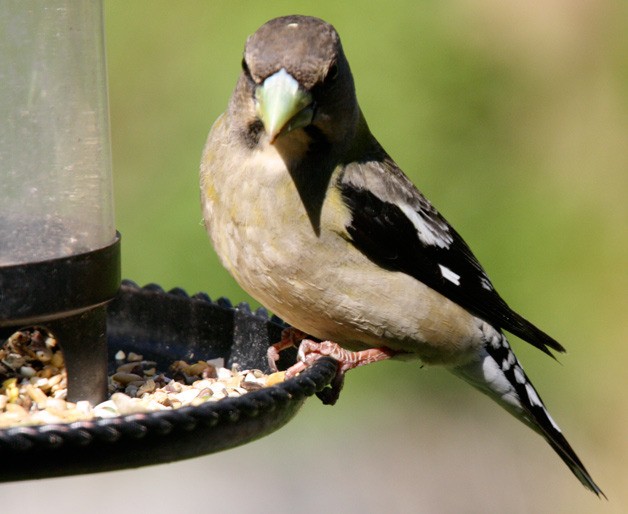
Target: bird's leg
pixel 289 337
pixel 310 351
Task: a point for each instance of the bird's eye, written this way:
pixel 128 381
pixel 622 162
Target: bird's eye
pixel 332 73
pixel 245 67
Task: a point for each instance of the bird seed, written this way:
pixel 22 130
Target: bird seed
pixel 33 383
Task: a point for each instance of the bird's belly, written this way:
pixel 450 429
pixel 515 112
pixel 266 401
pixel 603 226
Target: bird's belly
pixel 335 293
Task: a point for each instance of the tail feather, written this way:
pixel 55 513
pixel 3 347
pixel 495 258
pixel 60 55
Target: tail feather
pixel 498 374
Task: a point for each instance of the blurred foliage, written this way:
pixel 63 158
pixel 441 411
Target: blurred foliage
pixel 511 116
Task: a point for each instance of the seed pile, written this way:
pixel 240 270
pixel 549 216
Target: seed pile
pixel 33 383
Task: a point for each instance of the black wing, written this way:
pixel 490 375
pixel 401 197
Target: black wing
pixel 397 228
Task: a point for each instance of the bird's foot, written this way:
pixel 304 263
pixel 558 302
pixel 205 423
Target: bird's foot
pixel 310 351
pixel 289 337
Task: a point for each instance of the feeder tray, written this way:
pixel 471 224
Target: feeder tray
pixel 164 327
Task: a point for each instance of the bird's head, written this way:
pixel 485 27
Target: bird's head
pixel 295 76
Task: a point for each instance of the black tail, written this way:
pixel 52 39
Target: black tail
pixel 565 452
pixel 499 375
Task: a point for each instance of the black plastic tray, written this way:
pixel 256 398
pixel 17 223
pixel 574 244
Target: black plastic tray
pixel 168 326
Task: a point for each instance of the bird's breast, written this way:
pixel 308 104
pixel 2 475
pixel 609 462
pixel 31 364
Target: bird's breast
pixel 254 215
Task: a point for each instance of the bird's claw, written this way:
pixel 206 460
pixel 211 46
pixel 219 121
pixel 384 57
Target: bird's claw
pixel 289 337
pixel 273 356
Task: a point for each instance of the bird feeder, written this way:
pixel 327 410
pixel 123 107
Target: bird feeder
pixel 59 251
pixel 60 268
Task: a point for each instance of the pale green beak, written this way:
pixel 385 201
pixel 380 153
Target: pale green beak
pixel 282 105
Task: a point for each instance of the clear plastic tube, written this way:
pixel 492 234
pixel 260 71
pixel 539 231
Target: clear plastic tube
pixel 56 195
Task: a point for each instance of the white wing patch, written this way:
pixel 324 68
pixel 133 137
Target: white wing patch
pixel 427 234
pixel 447 274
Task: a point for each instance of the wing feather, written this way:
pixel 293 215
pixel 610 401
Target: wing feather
pixel 394 225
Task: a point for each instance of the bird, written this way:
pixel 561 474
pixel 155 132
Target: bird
pixel 318 223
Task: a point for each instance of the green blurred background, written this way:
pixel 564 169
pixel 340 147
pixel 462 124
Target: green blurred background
pixel 512 117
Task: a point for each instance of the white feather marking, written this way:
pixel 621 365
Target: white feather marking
pixel 426 233
pixel 484 282
pixel 498 382
pixel 494 376
pixel 552 420
pixel 532 396
pixel 519 375
pixel 449 275
pixel 508 361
